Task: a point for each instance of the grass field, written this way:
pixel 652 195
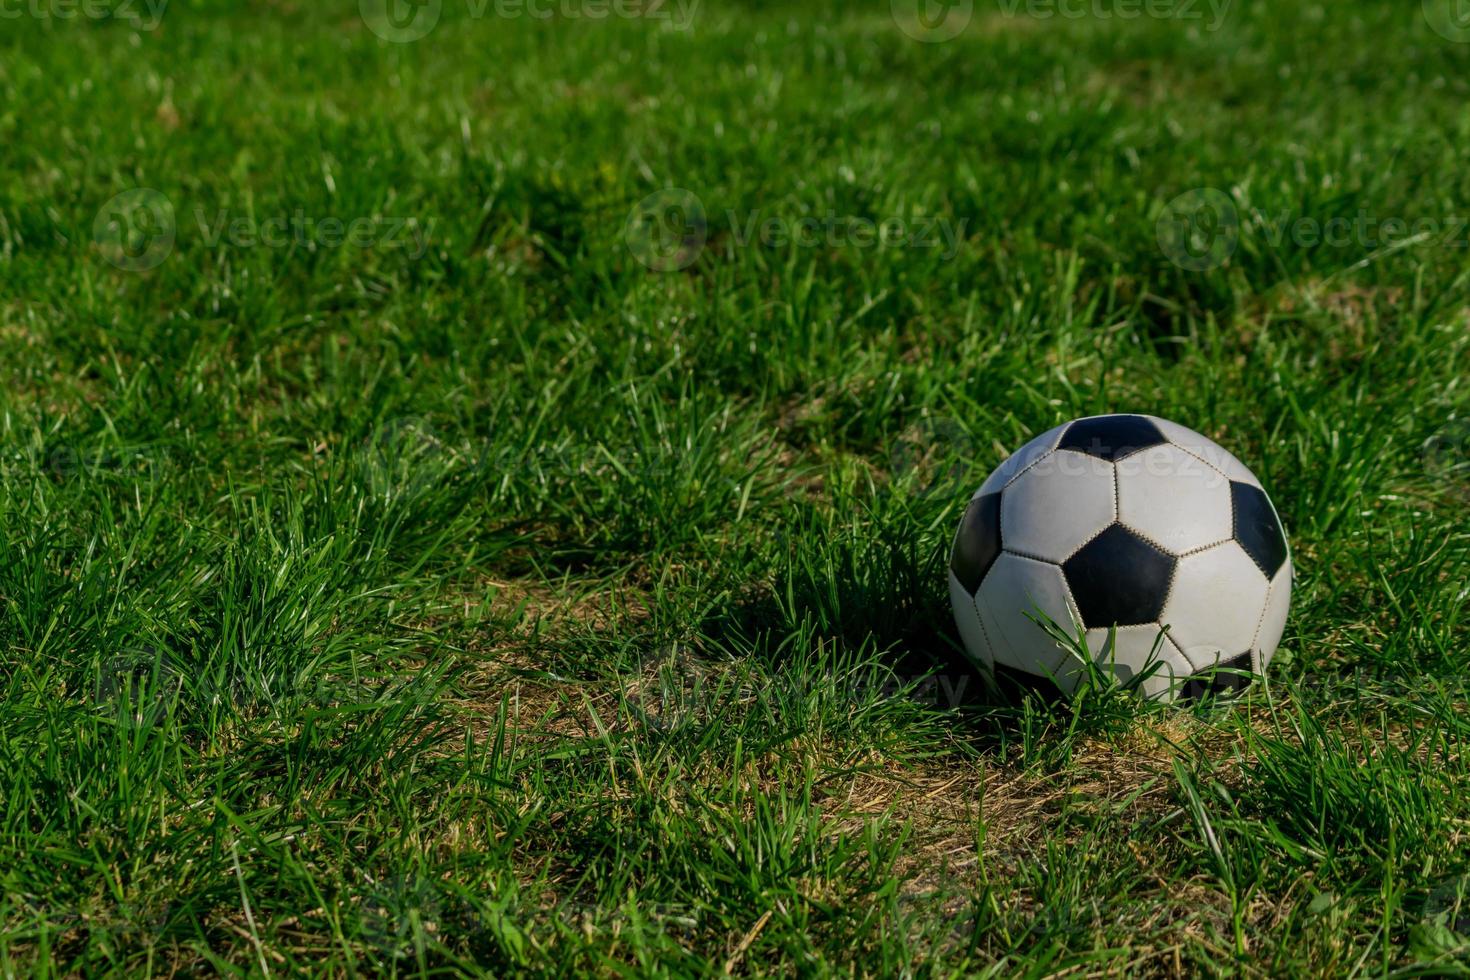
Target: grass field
pixel 478 503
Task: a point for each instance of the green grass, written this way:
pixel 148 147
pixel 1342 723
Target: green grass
pixel 472 598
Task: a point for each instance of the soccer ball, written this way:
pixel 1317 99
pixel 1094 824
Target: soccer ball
pixel 1159 543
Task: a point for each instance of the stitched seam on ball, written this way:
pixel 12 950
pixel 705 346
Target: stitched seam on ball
pixel 1036 558
pixel 1119 522
pixel 1179 562
pixel 1074 612
pixel 1112 632
pixel 1206 547
pixel 1117 495
pixel 1157 546
pixel 1183 657
pixel 1089 541
pixel 1280 524
pixel 1057 431
pixel 980 621
pixel 1027 469
pixel 1067 589
pixel 1189 452
pixel 1186 449
pixel 1135 450
pixel 1195 668
pixel 1174 562
pixel 1169 592
pixel 1029 556
pixel 1152 544
pixel 1255 650
pixel 1063 655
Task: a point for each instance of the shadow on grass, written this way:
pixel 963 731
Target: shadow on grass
pixel 874 590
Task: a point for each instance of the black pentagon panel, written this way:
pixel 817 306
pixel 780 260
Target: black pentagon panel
pixel 1257 528
pixel 1228 677
pixel 977 545
pixel 1119 579
pixel 1111 437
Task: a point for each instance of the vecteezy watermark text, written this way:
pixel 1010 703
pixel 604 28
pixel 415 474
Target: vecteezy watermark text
pixel 139 228
pixel 833 230
pixel 1211 12
pixel 1362 229
pixel 301 230
pixel 669 229
pixel 933 21
pixel 1202 228
pixel 404 21
pixel 145 15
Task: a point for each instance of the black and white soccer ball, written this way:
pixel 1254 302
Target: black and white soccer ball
pixel 1128 522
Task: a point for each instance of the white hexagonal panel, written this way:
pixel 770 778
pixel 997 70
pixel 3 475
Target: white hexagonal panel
pixel 1176 500
pixel 1058 505
pixel 1273 623
pixel 967 618
pixel 1206 449
pixel 1016 587
pixel 1215 605
pixel 1136 651
pixel 1020 459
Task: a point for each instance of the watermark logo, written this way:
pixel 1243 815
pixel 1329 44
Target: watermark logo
pixel 1448 904
pixel 142 686
pixel 64 462
pixel 1199 230
pixel 674 691
pixel 403 457
pixel 135 231
pixel 399 913
pixel 1450 19
pixel 932 21
pixel 934 458
pixel 1447 455
pixel 667 230
pixel 1442 935
pixel 401 21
